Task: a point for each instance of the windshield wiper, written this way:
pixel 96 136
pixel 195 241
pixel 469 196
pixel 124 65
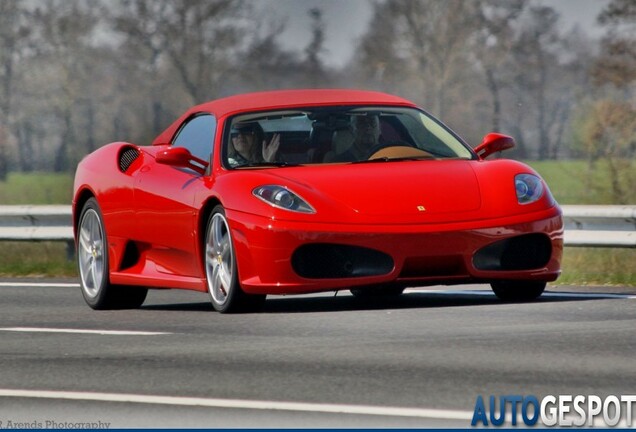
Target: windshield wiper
pixel 265 164
pixel 397 159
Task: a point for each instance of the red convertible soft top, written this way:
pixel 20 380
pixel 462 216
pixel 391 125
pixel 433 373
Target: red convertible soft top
pixel 283 99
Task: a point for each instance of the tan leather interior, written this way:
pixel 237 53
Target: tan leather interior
pixel 400 152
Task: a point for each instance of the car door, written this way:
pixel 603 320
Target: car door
pixel 164 202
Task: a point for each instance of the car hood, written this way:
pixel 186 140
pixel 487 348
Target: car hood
pixel 388 191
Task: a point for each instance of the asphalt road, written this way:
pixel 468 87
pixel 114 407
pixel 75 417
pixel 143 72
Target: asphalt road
pixel 311 361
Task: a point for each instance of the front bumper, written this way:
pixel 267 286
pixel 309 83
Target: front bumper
pixel 425 254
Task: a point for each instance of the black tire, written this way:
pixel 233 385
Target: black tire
pixel 377 292
pixel 92 263
pixel 221 271
pixel 518 291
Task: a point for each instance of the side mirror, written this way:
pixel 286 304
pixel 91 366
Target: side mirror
pixel 181 157
pixel 492 143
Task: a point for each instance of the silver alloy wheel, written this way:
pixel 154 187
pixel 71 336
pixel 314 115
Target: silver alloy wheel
pixel 219 259
pixel 91 253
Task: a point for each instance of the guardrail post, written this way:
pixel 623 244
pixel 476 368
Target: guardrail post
pixel 70 250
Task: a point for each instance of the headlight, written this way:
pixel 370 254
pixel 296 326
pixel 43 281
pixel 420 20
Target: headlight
pixel 529 188
pixel 281 197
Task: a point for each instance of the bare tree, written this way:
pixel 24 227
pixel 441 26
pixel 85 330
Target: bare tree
pixel 617 62
pixel 198 39
pixel 65 31
pixel 492 48
pixel 140 22
pixel 13 31
pixel 265 65
pixel 377 60
pixel 123 69
pixel 313 65
pixel 609 134
pixel 422 50
pixel 435 35
pixel 607 121
pixel 536 53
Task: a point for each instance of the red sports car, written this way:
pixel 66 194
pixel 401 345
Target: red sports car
pixel 302 191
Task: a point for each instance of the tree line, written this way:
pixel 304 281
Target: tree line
pixel 76 74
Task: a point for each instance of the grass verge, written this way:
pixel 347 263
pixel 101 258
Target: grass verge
pixel 575 182
pixel 36 188
pixel 35 259
pixel 596 266
pixel 581 266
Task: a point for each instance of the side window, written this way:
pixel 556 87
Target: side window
pixel 198 136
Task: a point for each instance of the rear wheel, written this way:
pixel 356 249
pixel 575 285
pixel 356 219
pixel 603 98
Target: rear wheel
pixel 220 268
pixel 518 290
pixel 92 260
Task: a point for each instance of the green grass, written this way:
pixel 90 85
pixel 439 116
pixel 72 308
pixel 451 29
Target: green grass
pixel 595 266
pixel 573 182
pixel 35 259
pixel 570 183
pixel 36 188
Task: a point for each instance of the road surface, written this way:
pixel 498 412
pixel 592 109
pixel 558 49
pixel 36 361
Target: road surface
pixel 310 361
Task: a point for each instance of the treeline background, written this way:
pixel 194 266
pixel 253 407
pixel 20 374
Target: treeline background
pixel 76 74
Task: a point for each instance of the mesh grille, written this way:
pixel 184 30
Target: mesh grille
pixel 127 157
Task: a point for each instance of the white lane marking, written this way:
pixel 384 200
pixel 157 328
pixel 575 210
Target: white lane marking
pixel 81 331
pixel 243 404
pixel 39 284
pixel 488 293
pixel 589 295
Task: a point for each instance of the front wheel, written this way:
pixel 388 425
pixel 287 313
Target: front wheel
pixel 220 268
pixel 518 290
pixel 92 260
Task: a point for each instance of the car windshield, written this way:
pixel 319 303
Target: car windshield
pixel 338 135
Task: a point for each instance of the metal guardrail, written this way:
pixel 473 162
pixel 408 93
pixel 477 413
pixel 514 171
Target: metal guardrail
pixel 600 226
pixel 38 223
pixel 31 222
pixel 585 225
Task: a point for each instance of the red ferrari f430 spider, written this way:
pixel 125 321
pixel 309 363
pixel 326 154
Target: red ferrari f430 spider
pixel 300 191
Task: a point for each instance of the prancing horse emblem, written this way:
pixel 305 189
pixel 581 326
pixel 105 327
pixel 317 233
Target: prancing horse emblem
pixel 421 208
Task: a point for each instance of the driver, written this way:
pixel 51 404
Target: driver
pixel 366 133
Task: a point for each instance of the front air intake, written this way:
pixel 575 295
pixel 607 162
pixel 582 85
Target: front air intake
pixel 126 158
pixel 524 252
pixel 325 260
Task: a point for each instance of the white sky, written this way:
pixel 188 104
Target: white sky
pixel 346 20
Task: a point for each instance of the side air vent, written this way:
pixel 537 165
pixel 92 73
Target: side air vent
pixel 127 157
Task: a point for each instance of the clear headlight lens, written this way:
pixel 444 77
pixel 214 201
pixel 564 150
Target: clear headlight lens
pixel 281 197
pixel 529 188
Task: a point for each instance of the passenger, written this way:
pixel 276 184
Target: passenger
pixel 366 136
pixel 248 145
